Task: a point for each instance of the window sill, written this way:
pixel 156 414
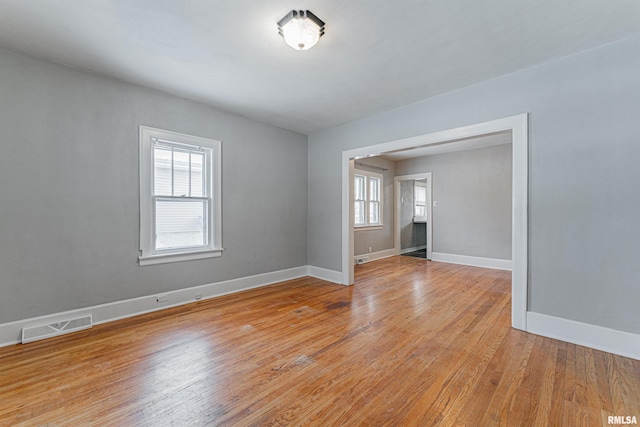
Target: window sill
pixel 368 228
pixel 177 257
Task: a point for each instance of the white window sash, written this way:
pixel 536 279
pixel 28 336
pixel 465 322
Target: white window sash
pixel 205 231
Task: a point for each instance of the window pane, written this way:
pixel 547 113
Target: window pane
pixel 420 211
pixel 180 173
pixel 358 191
pixel 359 212
pixel 197 175
pixel 374 212
pixel 162 171
pixel 181 223
pixel 374 186
pixel 421 195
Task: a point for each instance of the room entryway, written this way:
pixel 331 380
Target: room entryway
pixel 464 137
pixel 413 208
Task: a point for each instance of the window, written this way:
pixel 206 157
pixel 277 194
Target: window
pixel 180 189
pixel 367 192
pixel 420 197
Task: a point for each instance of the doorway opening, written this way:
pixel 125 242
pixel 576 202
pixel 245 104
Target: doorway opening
pixel 413 215
pixel 452 140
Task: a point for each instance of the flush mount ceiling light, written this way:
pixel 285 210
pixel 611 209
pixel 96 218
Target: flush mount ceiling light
pixel 301 29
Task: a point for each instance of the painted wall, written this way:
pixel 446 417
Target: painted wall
pixel 584 196
pixel 379 240
pixel 69 207
pixel 473 191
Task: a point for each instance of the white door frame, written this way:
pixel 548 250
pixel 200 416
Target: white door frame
pixel 398 205
pixel 518 125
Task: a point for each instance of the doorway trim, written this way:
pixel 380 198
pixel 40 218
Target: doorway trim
pixel 518 125
pixel 398 205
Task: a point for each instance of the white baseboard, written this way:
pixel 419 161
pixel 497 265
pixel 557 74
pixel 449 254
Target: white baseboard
pixel 498 264
pixel 592 336
pixel 377 255
pixel 10 332
pixel 617 342
pixel 324 274
pixel 417 248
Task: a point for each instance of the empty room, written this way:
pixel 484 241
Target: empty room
pixel 319 213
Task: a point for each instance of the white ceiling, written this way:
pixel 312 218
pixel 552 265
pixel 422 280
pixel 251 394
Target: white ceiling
pixel 376 54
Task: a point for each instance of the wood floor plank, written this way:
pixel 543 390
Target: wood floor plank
pixel 631 388
pixel 585 394
pixel 412 343
pixel 485 390
pixel 545 388
pixel 499 411
pixel 557 394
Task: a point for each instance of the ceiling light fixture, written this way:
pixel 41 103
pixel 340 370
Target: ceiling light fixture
pixel 301 29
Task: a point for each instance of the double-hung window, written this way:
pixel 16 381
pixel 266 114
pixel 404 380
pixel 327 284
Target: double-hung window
pixel 420 195
pixel 367 191
pixel 420 201
pixel 180 195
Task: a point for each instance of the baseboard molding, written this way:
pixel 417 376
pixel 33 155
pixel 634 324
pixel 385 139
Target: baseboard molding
pixel 377 255
pixel 592 336
pixel 498 264
pixel 324 274
pixel 417 248
pixel 617 342
pixel 103 313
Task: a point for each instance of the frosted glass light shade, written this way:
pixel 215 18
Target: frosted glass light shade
pixel 301 29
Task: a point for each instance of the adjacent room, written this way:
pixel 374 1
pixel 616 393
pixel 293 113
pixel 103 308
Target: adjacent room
pixel 319 213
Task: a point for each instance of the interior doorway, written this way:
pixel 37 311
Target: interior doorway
pixel 452 140
pixel 414 215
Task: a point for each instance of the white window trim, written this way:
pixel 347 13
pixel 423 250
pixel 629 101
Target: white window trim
pixel 367 226
pixel 148 255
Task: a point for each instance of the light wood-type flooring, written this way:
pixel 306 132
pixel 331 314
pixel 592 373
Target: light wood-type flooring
pixel 413 343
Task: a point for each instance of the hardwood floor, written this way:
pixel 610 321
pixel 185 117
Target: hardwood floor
pixel 413 343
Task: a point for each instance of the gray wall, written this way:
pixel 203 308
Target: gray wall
pixel 584 196
pixel 69 207
pixel 379 240
pixel 473 191
pixel 411 235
